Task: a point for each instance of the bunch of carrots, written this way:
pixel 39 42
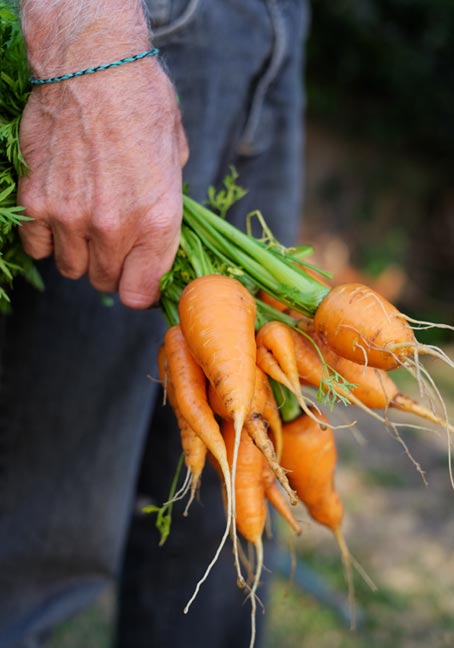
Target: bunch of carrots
pixel 236 362
pixel 254 327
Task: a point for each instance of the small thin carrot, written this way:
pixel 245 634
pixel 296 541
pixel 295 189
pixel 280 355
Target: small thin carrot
pixel 272 417
pixel 275 496
pixel 257 427
pixel 310 455
pixel 191 395
pixel 276 357
pixel 250 500
pixel 276 337
pixel 374 388
pixel 268 364
pixel 194 448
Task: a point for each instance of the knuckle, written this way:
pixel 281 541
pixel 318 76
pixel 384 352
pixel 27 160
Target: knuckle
pixel 68 217
pixel 33 201
pixel 106 226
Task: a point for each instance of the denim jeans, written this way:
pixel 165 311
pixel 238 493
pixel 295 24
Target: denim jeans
pixel 78 404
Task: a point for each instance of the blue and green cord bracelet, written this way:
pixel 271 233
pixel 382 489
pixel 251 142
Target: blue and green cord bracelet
pixel 92 70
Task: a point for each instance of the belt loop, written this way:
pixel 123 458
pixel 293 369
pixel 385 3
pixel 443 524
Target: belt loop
pixel 245 146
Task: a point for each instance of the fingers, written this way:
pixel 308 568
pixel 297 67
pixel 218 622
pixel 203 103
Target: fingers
pixel 110 260
pixel 107 249
pixel 148 261
pixel 142 271
pixel 70 252
pixel 36 238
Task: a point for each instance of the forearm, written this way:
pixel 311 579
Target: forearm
pixel 61 34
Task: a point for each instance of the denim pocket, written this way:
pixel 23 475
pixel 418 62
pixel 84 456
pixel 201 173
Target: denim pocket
pixel 167 17
pixel 275 88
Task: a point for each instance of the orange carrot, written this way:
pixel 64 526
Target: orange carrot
pixel 359 324
pixel 249 487
pixel 257 427
pixel 194 448
pixel 276 357
pixel 272 417
pixel 269 365
pixel 279 306
pixel 217 316
pixel 374 388
pixel 274 495
pixel 272 301
pixel 309 454
pixel 250 499
pixel 190 390
pixel 276 337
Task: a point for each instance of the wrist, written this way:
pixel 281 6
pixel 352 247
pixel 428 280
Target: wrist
pixel 61 37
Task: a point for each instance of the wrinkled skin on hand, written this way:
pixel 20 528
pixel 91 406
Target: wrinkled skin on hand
pixel 105 153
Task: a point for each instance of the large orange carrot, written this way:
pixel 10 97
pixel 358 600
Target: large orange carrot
pixel 190 387
pixel 359 324
pixel 194 448
pixel 217 316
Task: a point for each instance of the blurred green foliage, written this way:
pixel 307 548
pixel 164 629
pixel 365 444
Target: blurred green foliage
pixel 384 69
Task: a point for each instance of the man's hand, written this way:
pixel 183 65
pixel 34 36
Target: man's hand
pixel 105 154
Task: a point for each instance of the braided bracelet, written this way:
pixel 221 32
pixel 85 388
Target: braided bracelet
pixel 92 70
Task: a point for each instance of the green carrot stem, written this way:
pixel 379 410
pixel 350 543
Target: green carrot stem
pixel 286 401
pixel 305 293
pixel 190 243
